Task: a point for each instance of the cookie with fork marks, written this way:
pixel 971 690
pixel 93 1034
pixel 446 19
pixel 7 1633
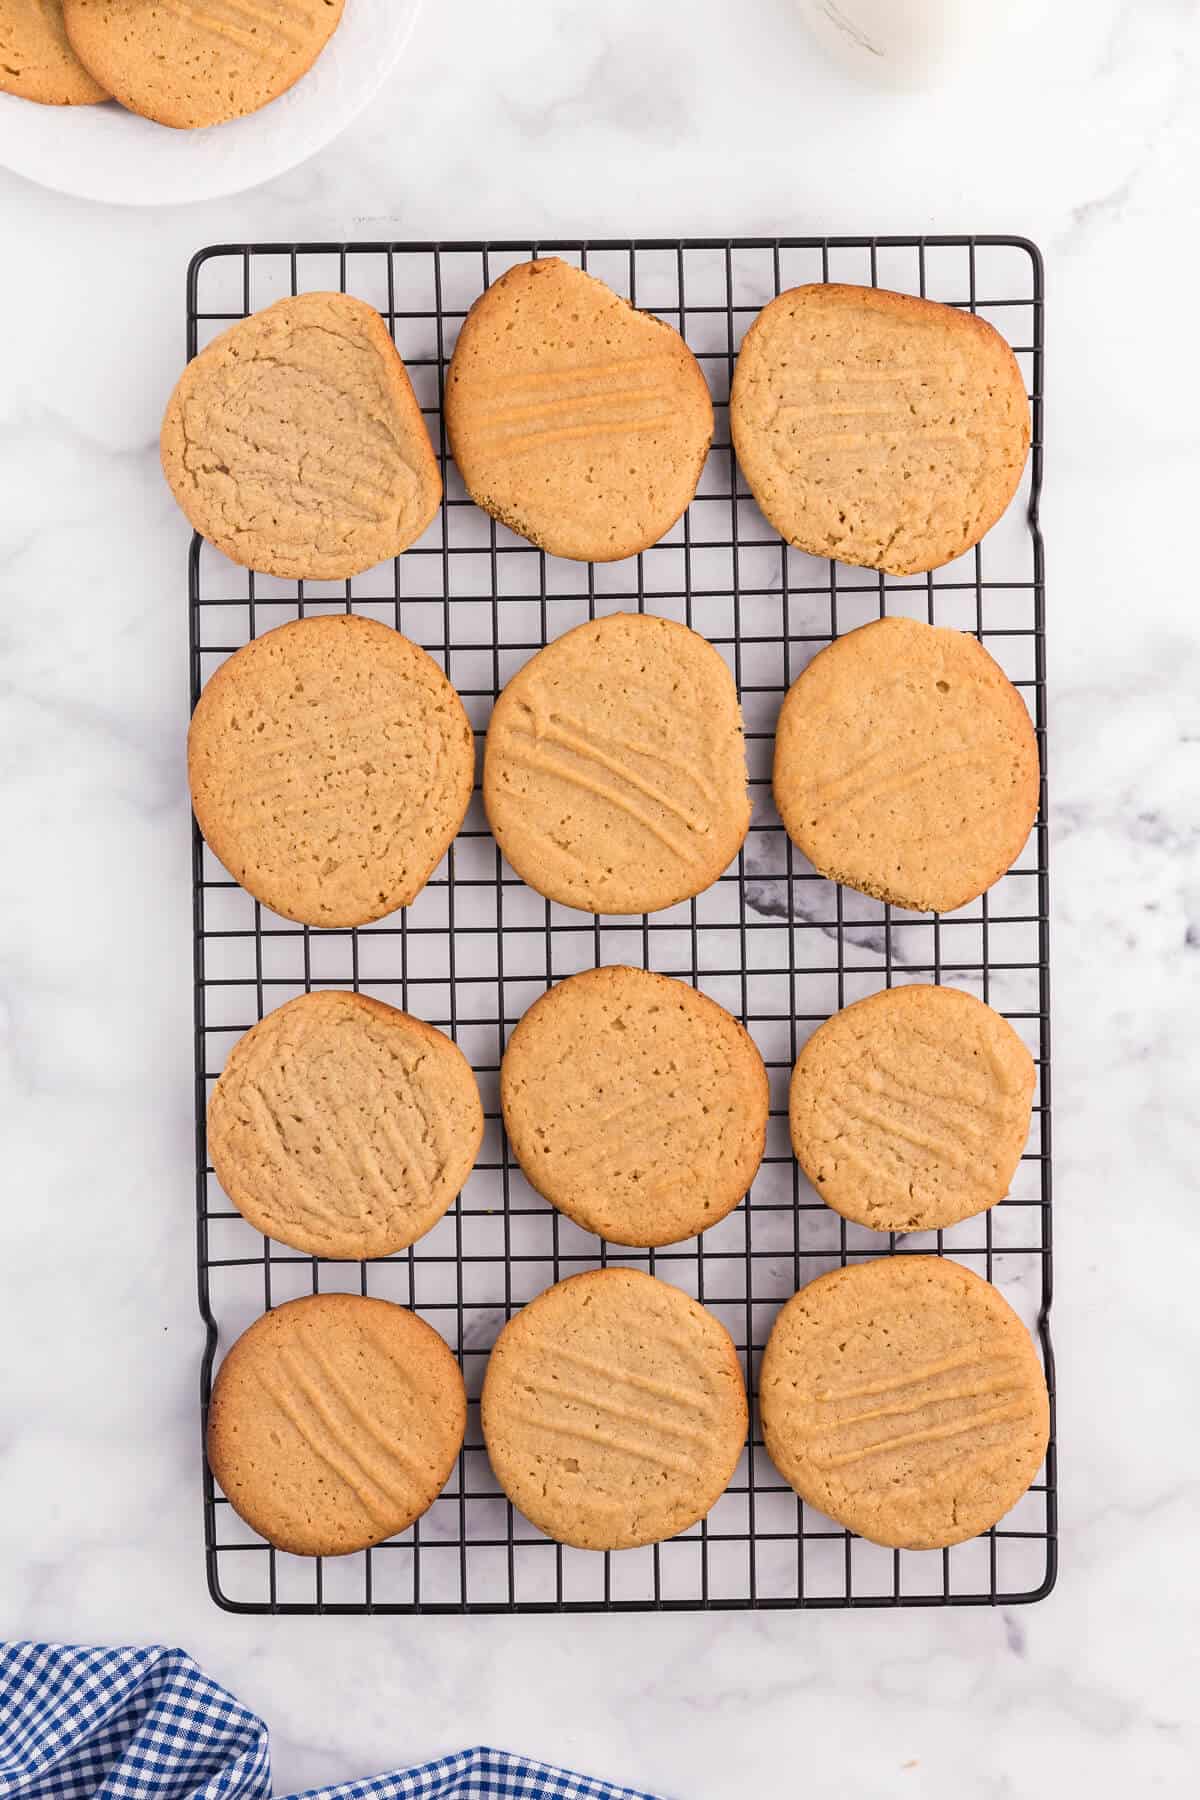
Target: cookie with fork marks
pixel 906 765
pixel 877 428
pixel 330 763
pixel 635 1104
pixel 335 1422
pixel 343 1127
pixel 904 1398
pixel 614 1410
pixel 577 421
pixel 190 63
pixel 294 442
pixel 910 1109
pixel 614 775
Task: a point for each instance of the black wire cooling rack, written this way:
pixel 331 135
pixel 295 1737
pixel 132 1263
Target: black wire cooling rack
pixel 771 940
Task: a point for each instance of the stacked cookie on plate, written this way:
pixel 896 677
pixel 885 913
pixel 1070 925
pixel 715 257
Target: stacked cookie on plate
pixel 331 765
pixel 188 66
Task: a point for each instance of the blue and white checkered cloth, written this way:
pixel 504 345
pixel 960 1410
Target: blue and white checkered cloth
pixel 81 1724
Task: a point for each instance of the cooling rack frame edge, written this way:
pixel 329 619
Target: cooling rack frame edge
pixel 754 1602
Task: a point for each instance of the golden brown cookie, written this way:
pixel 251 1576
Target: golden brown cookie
pixel 637 1106
pixel 574 419
pixel 36 58
pixel 909 1110
pixel 876 428
pixel 904 1398
pixel 906 765
pixel 190 63
pixel 613 1410
pixel 614 776
pixel 331 764
pixel 335 1422
pixel 295 444
pixel 343 1127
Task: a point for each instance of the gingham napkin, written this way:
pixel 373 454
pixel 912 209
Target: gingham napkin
pixel 82 1724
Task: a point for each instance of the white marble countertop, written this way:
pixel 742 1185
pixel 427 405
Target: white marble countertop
pixel 714 116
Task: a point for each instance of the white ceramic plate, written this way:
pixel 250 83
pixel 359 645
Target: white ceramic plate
pixel 106 153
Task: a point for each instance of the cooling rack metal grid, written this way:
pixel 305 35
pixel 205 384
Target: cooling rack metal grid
pixel 772 941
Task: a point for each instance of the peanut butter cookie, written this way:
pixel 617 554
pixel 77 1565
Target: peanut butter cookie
pixel 331 764
pixel 636 1105
pixel 335 1422
pixel 877 428
pixel 906 765
pixel 189 63
pixel 343 1127
pixel 910 1109
pixel 36 58
pixel 295 444
pixel 576 420
pixel 613 1410
pixel 904 1398
pixel 615 771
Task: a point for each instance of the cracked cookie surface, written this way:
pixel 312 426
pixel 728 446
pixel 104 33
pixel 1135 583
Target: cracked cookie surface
pixel 343 1127
pixel 635 1105
pixel 335 1422
pixel 906 765
pixel 613 1410
pixel 883 430
pixel 904 1399
pixel 614 775
pixel 191 63
pixel 330 763
pixel 909 1110
pixel 574 419
pixel 295 445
